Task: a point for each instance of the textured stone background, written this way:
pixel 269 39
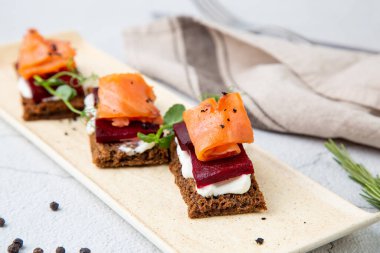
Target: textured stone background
pixel 29 180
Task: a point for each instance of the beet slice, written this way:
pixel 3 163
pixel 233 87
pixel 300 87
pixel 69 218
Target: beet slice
pixel 215 171
pixel 210 172
pixel 182 135
pixel 39 92
pixel 105 132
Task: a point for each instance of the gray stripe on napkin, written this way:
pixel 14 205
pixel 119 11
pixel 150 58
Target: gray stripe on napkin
pixel 201 55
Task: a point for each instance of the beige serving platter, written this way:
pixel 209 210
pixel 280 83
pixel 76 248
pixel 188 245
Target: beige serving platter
pixel 301 216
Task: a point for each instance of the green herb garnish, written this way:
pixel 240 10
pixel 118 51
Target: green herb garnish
pixel 64 92
pixel 172 116
pixel 357 172
pixel 217 96
pixel 210 95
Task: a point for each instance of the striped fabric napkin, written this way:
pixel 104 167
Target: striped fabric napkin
pixel 287 87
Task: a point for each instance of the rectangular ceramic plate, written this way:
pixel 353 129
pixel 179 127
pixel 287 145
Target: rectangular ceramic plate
pixel 301 214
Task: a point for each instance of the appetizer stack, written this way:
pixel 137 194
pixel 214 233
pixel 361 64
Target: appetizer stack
pixel 123 108
pixel 47 73
pixel 208 160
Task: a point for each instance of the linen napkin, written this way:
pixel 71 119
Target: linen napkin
pixel 287 87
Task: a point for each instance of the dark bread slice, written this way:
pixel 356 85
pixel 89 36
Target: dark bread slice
pixel 108 155
pixel 50 109
pixel 227 204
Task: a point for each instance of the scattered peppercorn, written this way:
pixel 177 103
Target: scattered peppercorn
pixel 224 93
pixel 204 110
pixel 263 218
pixel 234 110
pixel 19 242
pixel 13 248
pixel 85 250
pixel 148 100
pixel 66 133
pixel 54 206
pixel 228 119
pixel 38 250
pixel 304 222
pixel 222 126
pixel 60 250
pixel 260 241
pixel 225 110
pixel 2 222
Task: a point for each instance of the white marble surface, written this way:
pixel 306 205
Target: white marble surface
pixel 29 180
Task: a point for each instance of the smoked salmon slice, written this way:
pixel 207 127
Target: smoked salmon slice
pixel 127 97
pixel 217 128
pixel 40 56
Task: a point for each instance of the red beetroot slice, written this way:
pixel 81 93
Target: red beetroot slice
pixel 105 132
pixel 39 92
pixel 215 171
pixel 210 172
pixel 182 135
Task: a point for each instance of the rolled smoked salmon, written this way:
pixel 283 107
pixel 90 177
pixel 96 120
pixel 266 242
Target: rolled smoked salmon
pixel 216 128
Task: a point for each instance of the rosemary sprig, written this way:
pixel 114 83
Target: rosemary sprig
pixel 64 92
pixel 357 172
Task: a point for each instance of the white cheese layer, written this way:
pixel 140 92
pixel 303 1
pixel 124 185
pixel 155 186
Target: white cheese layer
pixel 26 91
pixel 136 148
pixel 90 110
pixel 237 185
pixel 24 88
pixel 52 98
pixel 185 160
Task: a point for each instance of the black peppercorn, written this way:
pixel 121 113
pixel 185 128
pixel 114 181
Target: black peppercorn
pixel 19 242
pixel 234 110
pixel 54 206
pixel 85 250
pixel 222 126
pixel 38 250
pixel 2 222
pixel 60 250
pixel 13 248
pixel 259 241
